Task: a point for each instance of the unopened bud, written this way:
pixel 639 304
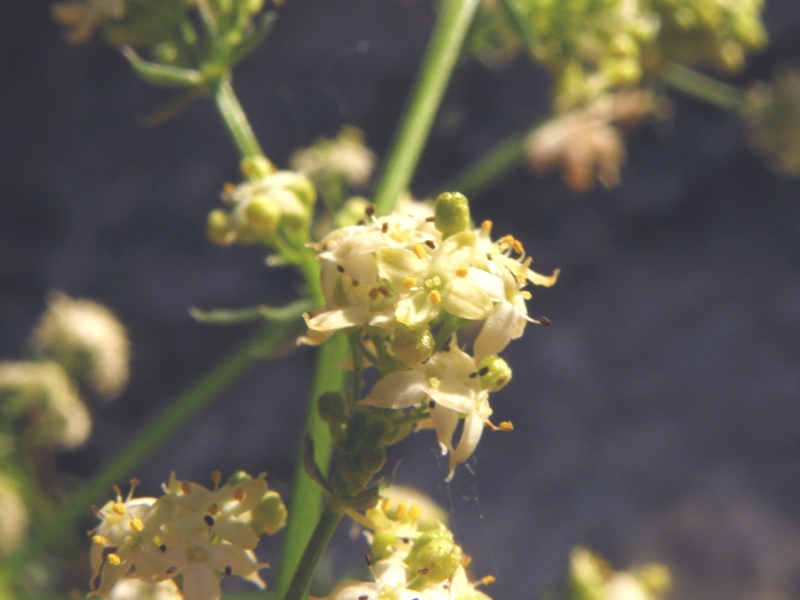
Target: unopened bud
pixel 304 190
pixel 218 227
pixel 371 459
pixel 256 167
pixel 262 214
pixel 412 346
pixel 331 406
pixel 435 556
pixel 495 373
pixel 452 213
pixel 269 515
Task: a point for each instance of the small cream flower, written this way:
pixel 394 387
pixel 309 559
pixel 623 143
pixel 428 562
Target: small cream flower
pixel 87 339
pixel 346 157
pixel 134 589
pixel 451 380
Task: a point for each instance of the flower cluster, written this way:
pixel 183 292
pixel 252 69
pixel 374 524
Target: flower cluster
pixel 591 578
pixel 592 46
pixel 266 208
pixel 191 530
pixel 411 558
pixel 408 283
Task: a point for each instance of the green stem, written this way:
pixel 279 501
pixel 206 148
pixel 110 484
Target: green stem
pixel 704 88
pixel 489 167
pixel 54 530
pixel 319 540
pixel 329 376
pixel 438 64
pixel 236 121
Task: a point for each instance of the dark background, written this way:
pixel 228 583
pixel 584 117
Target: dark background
pixel 657 419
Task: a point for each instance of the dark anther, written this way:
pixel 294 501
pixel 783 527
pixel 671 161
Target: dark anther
pixel 545 321
pixel 361 222
pixel 430 219
pixel 385 227
pixel 340 268
pixel 355 283
pixel 423 571
pixel 426 360
pixel 228 570
pixel 163 548
pixel 430 244
pixel 384 290
pixel 405 540
pixel 209 520
pixel 364 597
pixel 483 371
pixel 473 375
pixel 431 403
pixel 501 380
pixel 171 570
pixel 370 210
pixel 489 256
pixel 368 559
pixel 373 293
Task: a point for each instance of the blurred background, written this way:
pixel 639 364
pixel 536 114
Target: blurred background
pixel 658 418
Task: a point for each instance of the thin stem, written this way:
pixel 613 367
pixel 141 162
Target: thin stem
pixel 358 367
pixel 329 376
pixel 440 59
pixel 704 88
pixel 54 530
pixel 236 121
pixel 489 167
pixel 319 541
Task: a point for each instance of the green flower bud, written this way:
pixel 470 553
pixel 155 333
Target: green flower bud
pixel 399 432
pixel 256 167
pixel 495 373
pixel 238 477
pixel 371 459
pixel 412 346
pixel 218 228
pixel 166 53
pixel 332 407
pixel 262 215
pixel 435 556
pixel 382 544
pixel 351 212
pixel 269 515
pixel 357 431
pixel 304 190
pixel 451 213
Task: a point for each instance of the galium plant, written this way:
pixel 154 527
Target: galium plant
pixel 412 296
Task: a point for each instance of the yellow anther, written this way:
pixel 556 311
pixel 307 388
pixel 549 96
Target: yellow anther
pixel 114 559
pixel 525 294
pixel 487 225
pixel 137 525
pixel 515 244
pixel 401 510
pixel 506 426
pixel 386 505
pixel 487 580
pixel 415 512
pixel 462 271
pixel 239 494
pixel 419 250
pixel 99 540
pixel 186 487
pixel 409 283
pixel 216 476
pixel 435 297
pixel 213 509
pixel 118 508
pixel 228 187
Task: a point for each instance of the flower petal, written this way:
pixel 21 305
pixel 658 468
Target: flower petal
pixel 400 389
pixel 466 299
pixel 470 436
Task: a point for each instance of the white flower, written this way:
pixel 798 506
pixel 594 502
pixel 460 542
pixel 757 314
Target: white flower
pixel 134 589
pixel 451 380
pixel 345 157
pixel 429 280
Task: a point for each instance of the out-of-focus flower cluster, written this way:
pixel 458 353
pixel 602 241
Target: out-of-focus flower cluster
pixel 270 207
pixel 403 286
pixel 591 578
pixel 191 531
pixel 413 556
pixel 592 46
